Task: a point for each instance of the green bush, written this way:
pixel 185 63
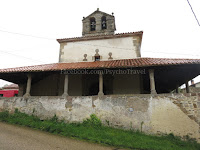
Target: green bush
pixel 54 118
pixel 93 121
pixel 16 110
pixel 4 115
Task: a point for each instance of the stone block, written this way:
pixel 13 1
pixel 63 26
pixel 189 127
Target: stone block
pixel 195 105
pixel 187 94
pixel 193 94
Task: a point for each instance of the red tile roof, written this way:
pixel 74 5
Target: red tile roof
pixel 98 37
pixel 123 63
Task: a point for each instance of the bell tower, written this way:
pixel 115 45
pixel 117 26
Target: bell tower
pixel 98 23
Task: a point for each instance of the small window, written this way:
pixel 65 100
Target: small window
pixel 103 23
pixel 96 58
pixel 1 95
pixel 92 24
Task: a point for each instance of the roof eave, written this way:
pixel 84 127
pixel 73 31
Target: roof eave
pixel 96 37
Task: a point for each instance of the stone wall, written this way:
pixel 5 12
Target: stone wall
pixel 110 21
pixel 192 90
pixel 189 103
pixel 158 114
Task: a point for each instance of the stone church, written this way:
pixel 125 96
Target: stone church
pixel 103 73
pixel 102 63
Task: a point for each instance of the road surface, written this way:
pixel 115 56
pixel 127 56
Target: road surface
pixel 21 138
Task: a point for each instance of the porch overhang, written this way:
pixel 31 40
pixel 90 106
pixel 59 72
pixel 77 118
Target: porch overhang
pixel 169 73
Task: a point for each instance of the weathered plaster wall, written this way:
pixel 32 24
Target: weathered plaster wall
pixel 121 48
pixel 169 118
pixel 152 114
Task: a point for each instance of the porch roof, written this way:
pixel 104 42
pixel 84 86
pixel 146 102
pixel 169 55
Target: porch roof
pixel 112 64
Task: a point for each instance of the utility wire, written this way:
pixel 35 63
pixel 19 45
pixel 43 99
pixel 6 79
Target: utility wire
pixel 171 53
pixel 104 46
pixel 21 56
pixel 193 12
pixel 16 33
pixel 96 46
pixel 131 49
pixel 128 49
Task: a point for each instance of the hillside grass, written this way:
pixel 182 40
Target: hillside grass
pixel 92 130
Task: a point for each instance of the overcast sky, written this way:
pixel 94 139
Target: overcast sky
pixel 170 29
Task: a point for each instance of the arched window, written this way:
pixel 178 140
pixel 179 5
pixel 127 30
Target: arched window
pixel 92 24
pixel 103 23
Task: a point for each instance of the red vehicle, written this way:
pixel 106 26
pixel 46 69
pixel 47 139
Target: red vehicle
pixel 8 93
pixel 9 90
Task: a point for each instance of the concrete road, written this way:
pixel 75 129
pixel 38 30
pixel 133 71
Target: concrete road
pixel 21 138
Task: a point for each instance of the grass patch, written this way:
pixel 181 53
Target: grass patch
pixel 93 130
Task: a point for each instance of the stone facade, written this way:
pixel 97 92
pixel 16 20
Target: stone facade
pixel 119 48
pixel 158 114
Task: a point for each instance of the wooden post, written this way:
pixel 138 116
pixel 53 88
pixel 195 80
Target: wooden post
pixel 177 89
pixel 187 87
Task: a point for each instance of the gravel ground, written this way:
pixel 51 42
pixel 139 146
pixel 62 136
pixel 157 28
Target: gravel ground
pixel 21 138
